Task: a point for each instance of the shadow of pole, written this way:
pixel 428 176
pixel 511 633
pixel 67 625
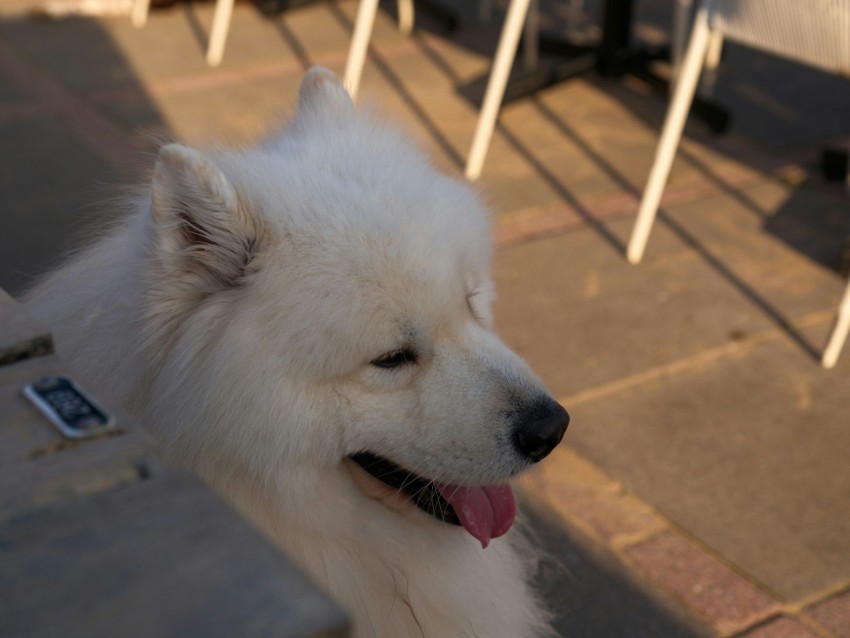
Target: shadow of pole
pixel 420 113
pixel 292 41
pixel 195 26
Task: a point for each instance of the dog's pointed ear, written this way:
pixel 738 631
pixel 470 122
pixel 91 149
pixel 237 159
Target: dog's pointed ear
pixel 322 94
pixel 202 231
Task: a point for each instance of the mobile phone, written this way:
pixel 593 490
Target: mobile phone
pixel 69 408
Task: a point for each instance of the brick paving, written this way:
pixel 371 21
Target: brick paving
pixel 834 614
pixel 783 627
pixel 706 585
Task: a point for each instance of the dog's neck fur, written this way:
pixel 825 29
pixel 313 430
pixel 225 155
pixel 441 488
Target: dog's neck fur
pixel 465 588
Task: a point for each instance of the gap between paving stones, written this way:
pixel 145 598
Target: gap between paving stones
pixel 603 510
pixel 805 610
pixel 784 625
pixel 222 78
pixel 732 348
pixel 516 227
pixel 23 110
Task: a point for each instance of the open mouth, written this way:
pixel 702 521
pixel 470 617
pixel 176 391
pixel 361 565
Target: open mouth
pixel 485 512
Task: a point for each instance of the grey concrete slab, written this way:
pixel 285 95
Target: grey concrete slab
pixel 80 53
pixel 48 184
pixel 748 453
pixel 778 246
pixel 583 317
pixel 174 42
pixel 91 55
pixel 206 116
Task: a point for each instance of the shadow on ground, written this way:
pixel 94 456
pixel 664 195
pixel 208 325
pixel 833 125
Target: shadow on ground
pixel 58 175
pixel 593 596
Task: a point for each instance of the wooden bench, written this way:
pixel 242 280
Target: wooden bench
pixel 101 539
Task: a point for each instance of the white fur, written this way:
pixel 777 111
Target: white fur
pixel 236 312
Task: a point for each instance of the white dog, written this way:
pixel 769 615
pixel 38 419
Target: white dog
pixel 307 326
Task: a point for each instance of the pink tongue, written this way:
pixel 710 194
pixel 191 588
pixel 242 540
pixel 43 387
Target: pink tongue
pixel 485 512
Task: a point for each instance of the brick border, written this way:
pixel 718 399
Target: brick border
pixel 582 496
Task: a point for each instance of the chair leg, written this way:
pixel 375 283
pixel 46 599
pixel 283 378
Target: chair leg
pixel 671 133
pixel 366 13
pixel 405 16
pixel 839 332
pixel 847 175
pixel 139 12
pixel 218 33
pixel 712 63
pixel 531 33
pixel 679 37
pixel 508 43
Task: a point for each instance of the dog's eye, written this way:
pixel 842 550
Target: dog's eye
pixel 395 359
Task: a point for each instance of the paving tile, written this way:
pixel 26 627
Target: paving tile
pixel 704 584
pixel 777 245
pixel 556 148
pixel 319 31
pixel 834 614
pixel 467 53
pixel 171 45
pixel 604 130
pixel 746 453
pixel 574 308
pixel 579 493
pixel 202 117
pixel 81 53
pixel 11 92
pixel 582 316
pixel 782 627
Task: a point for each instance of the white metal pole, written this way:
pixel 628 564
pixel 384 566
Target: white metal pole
pixel 218 33
pixel 671 133
pixel 366 12
pixel 839 332
pixel 502 64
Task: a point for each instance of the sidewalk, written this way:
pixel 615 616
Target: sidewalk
pixel 704 485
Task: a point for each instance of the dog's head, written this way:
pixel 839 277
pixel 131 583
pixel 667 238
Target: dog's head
pixel 329 293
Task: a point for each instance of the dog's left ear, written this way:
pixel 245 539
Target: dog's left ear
pixel 203 235
pixel 322 95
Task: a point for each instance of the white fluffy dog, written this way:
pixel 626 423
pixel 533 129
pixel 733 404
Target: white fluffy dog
pixel 307 326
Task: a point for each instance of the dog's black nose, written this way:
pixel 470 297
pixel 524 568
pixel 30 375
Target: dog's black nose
pixel 539 427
